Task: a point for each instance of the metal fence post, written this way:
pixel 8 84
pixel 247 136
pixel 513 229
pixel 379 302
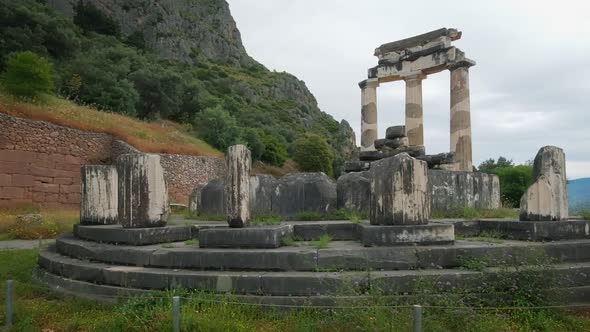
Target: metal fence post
pixel 9 305
pixel 176 314
pixel 417 318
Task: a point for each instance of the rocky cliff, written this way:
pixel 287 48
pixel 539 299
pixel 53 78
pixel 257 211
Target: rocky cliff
pixel 184 30
pixel 196 32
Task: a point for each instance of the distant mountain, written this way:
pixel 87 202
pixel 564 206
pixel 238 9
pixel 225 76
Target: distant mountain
pixel 578 192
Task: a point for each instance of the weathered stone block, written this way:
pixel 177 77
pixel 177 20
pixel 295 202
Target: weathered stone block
pixel 99 198
pixel 414 151
pixel 373 235
pixel 395 132
pixel 248 237
pixel 298 192
pixel 237 185
pixel 353 191
pixel 356 166
pixel 194 200
pixel 391 143
pixel 455 189
pixel 143 196
pixel 399 191
pixel 213 198
pixel 262 193
pixel 546 198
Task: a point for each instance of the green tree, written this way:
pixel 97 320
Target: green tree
pixel 313 154
pixel 217 127
pixel 491 164
pixel 28 75
pixel 275 151
pixel 90 18
pixel 252 139
pixel 514 181
pixel 160 92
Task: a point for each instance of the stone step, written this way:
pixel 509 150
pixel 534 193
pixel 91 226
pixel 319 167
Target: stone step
pixel 296 283
pixel 340 255
pixel 106 293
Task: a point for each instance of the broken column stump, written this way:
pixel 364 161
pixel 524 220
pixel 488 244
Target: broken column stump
pixel 143 195
pixel 399 191
pixel 237 186
pixel 99 195
pixel 546 198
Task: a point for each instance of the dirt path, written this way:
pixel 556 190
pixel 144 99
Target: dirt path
pixel 22 244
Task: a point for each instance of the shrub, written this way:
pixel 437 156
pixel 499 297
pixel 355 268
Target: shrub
pixel 217 127
pixel 313 154
pixel 275 152
pixel 28 75
pixel 514 181
pixel 90 18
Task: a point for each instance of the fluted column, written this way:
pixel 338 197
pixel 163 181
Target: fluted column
pixel 461 117
pixel 369 114
pixel 414 115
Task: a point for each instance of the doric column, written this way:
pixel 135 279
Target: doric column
pixel 414 116
pixel 461 117
pixel 369 114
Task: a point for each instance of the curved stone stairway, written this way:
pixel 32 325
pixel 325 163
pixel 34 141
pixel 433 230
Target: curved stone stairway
pixel 107 261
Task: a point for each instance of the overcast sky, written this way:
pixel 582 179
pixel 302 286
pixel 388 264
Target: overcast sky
pixel 530 87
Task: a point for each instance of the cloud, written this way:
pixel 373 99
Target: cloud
pixel 530 87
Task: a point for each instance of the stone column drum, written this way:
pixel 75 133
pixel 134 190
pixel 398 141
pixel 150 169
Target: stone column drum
pixel 399 191
pixel 461 117
pixel 143 195
pixel 369 114
pixel 98 204
pixel 546 198
pixel 237 186
pixel 414 114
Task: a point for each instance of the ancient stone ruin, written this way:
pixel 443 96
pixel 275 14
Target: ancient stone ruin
pixel 546 198
pixel 412 60
pixel 127 242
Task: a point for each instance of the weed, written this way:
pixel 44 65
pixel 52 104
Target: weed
pixel 472 213
pixel 322 242
pixel 192 242
pixel 487 236
pixel 167 245
pixel 269 219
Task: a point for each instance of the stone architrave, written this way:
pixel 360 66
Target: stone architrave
pixel 414 114
pixel 546 198
pixel 368 114
pixel 460 143
pixel 399 191
pixel 263 189
pixel 143 195
pixel 99 195
pixel 237 186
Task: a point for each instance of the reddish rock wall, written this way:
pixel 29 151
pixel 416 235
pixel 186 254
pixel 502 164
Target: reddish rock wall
pixel 40 163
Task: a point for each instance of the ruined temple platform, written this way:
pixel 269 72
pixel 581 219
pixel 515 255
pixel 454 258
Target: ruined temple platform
pixel 300 271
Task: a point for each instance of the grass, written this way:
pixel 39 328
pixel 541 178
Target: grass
pixel 55 222
pixel 486 236
pixel 37 309
pixel 290 166
pixel 323 242
pixel 472 213
pixel 269 219
pixel 153 137
pixel 585 214
pixel 192 242
pixel 340 214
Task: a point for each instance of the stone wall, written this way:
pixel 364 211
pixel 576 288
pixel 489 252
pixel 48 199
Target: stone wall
pixel 40 163
pixel 450 189
pixel 183 173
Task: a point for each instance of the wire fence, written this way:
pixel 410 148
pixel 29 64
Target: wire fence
pixel 175 300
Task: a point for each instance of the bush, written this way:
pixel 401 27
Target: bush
pixel 275 152
pixel 90 18
pixel 514 181
pixel 217 127
pixel 313 154
pixel 28 75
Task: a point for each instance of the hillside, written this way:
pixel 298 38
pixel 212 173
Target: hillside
pixel 162 137
pixel 578 192
pixel 175 59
